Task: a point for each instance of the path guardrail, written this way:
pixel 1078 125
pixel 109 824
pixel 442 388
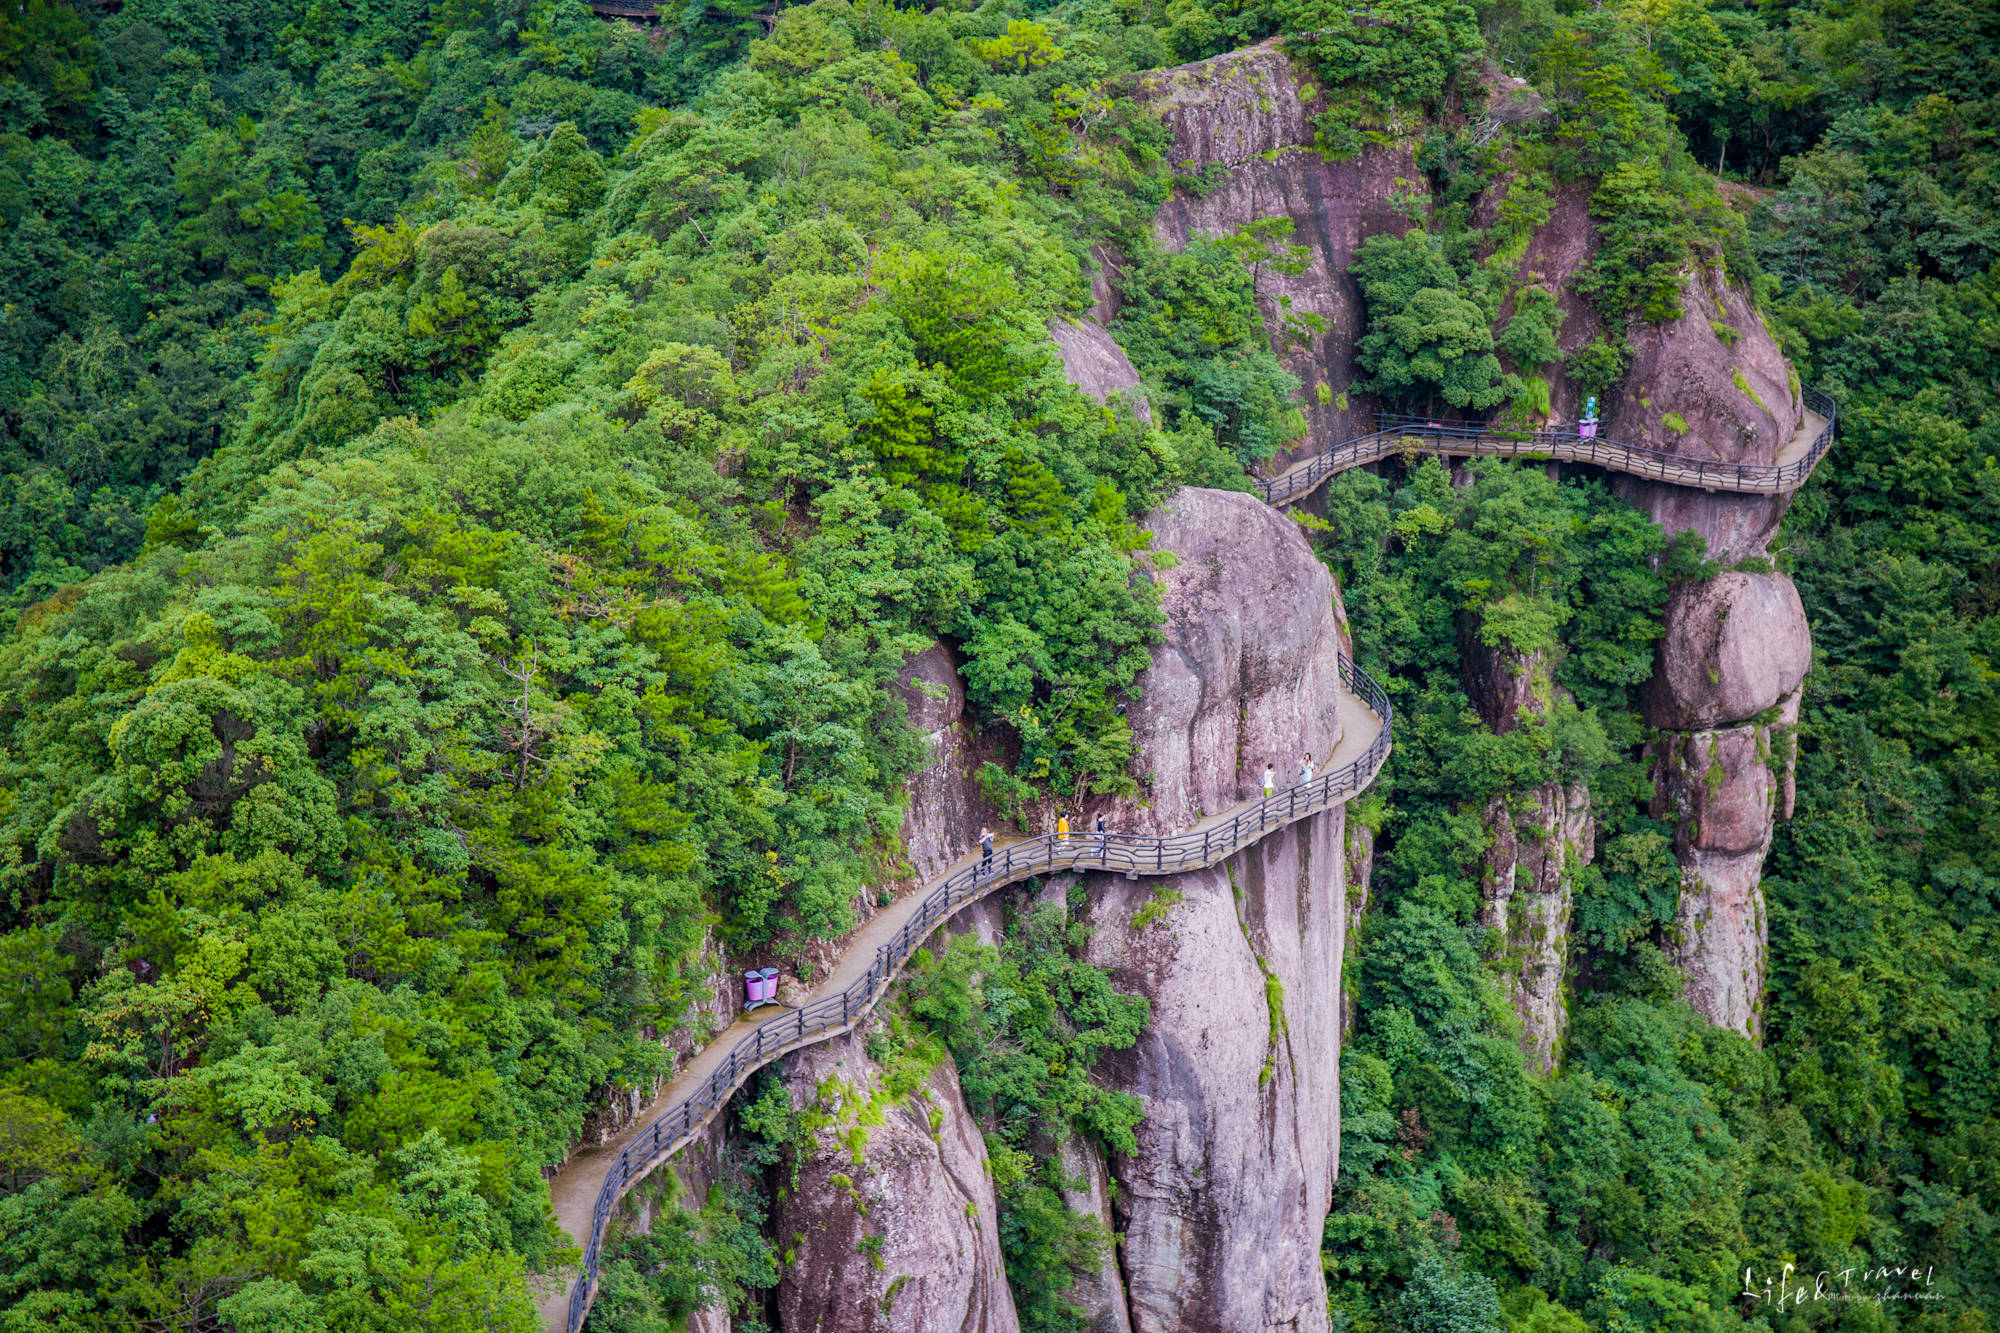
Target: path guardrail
pixel 1397 434
pixel 1129 853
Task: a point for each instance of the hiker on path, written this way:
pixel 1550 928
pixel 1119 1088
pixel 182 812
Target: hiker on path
pixel 1062 827
pixel 1306 768
pixel 985 851
pixel 1101 839
pixel 1270 781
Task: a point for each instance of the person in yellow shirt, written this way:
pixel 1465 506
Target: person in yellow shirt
pixel 1062 827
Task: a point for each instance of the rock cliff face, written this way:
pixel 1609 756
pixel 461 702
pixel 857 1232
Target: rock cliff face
pixel 1711 384
pixel 1734 647
pixel 901 1233
pixel 1540 837
pixel 1718 372
pixel 1245 121
pixel 946 809
pixel 1725 693
pixel 1101 1293
pixel 1095 363
pixel 1222 1206
pixel 1249 673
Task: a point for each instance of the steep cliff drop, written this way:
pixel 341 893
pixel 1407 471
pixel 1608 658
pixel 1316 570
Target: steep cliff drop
pixel 1245 120
pixel 1725 687
pixel 1222 1206
pixel 892 1223
pixel 1725 695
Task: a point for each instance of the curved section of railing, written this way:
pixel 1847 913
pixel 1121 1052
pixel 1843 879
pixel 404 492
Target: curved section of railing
pixel 1121 852
pixel 1398 435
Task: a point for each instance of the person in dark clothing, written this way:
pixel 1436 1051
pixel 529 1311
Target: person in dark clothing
pixel 985 851
pixel 1101 839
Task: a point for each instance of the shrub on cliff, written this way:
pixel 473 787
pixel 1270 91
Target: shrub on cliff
pixel 1428 342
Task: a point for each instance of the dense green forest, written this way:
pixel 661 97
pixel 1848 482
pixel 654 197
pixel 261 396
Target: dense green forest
pixel 470 472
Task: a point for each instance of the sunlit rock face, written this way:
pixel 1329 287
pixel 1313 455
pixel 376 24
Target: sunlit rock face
pixel 1093 361
pixel 1710 384
pixel 1222 1206
pixel 1733 647
pixel 1249 671
pixel 1243 124
pixel 905 1238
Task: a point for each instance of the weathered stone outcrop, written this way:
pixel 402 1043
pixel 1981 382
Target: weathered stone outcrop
pixel 1711 384
pixel 946 808
pixel 1100 1293
pixel 1245 121
pixel 1733 647
pixel 1094 362
pixel 1718 371
pixel 1222 1206
pixel 1540 837
pixel 1249 673
pixel 902 1233
pixel 1725 694
pixel 1724 788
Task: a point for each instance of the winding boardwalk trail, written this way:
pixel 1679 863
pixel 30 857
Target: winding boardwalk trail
pixel 590 1183
pixel 587 1188
pixel 1408 436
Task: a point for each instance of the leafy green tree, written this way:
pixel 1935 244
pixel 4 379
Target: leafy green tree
pixel 1427 341
pixel 1439 1300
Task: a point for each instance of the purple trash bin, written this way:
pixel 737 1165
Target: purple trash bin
pixel 770 991
pixel 753 989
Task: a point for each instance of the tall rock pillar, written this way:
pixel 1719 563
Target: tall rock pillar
pixel 1221 1207
pixel 1539 838
pixel 1725 697
pixel 1712 385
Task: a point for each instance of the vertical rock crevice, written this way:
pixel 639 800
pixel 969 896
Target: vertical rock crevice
pixel 1539 838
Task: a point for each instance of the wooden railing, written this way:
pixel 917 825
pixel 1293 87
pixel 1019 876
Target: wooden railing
pixel 1134 854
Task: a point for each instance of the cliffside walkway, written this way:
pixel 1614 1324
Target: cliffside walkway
pixel 1402 436
pixel 590 1184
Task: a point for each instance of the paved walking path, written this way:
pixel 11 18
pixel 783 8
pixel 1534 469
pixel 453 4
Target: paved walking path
pixel 579 1188
pixel 587 1187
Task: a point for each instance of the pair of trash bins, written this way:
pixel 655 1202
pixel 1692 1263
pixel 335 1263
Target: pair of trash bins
pixel 760 987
